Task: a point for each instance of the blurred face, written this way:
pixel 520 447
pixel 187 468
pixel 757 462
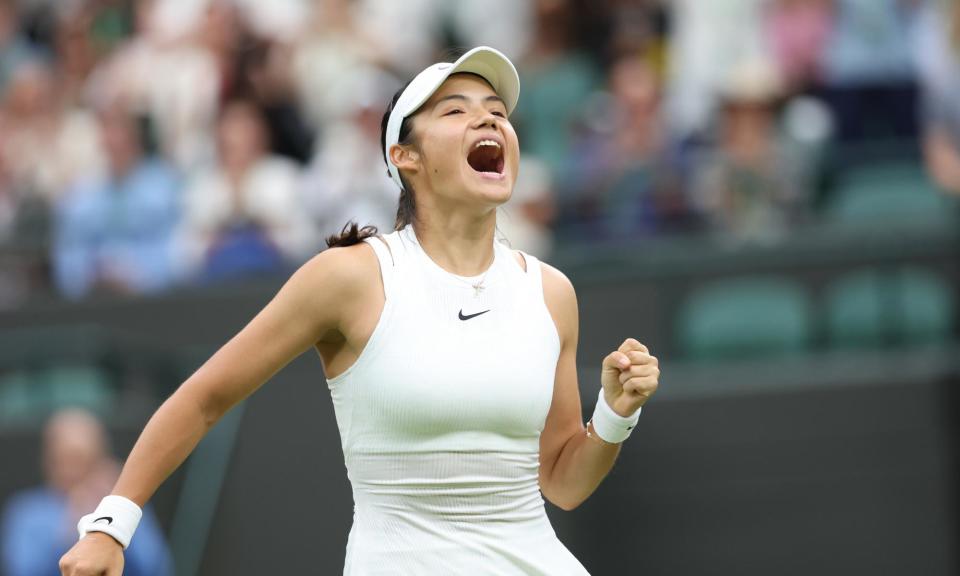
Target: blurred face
pixel 120 136
pixel 466 149
pixel 242 136
pixel 747 120
pixel 74 448
pixel 220 28
pixel 634 85
pixel 31 91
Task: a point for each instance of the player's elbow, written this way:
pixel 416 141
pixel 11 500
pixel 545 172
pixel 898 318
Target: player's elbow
pixel 569 504
pixel 203 402
pixel 565 502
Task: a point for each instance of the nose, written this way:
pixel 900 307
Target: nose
pixel 486 119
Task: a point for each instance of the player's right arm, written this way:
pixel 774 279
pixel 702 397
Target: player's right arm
pixel 309 307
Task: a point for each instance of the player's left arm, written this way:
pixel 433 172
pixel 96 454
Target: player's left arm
pixel 573 463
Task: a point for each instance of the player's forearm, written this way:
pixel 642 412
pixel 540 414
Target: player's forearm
pixel 581 466
pixel 168 438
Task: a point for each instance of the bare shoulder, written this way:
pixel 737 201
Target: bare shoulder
pixel 556 284
pixel 334 283
pixel 561 299
pixel 342 268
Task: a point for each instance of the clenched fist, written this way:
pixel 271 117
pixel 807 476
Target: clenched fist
pixel 629 377
pixel 96 554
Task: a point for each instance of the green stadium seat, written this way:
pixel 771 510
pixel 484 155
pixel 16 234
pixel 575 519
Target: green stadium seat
pixel 745 317
pixel 81 386
pixel 907 305
pixel 32 395
pixel 888 192
pixel 855 311
pixel 15 400
pixel 928 304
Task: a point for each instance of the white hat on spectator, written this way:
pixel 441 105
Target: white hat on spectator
pixel 753 81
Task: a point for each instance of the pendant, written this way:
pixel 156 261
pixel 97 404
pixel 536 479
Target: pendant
pixel 477 288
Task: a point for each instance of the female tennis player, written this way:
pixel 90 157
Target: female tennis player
pixel 451 361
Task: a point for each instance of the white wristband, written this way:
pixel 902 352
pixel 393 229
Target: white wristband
pixel 610 426
pixel 116 516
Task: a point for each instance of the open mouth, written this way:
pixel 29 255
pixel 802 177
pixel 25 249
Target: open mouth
pixel 486 157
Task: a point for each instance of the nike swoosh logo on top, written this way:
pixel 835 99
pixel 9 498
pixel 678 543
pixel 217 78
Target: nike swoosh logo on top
pixel 469 316
pixel 109 519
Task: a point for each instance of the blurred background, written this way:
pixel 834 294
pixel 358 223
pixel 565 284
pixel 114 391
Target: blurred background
pixel 763 191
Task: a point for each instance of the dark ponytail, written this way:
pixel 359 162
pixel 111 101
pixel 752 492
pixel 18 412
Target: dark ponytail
pixel 352 233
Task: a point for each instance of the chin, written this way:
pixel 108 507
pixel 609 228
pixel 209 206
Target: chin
pixel 493 190
pixel 500 198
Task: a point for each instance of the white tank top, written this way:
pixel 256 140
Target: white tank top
pixel 440 420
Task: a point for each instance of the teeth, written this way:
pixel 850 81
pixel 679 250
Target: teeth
pixel 486 143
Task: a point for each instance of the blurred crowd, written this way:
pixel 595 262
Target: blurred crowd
pixel 149 144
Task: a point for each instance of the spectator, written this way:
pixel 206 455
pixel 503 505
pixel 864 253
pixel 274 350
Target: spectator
pixel 938 59
pixel 709 40
pixel 243 214
pixel 45 144
pixel 277 20
pixel 616 28
pixel 114 231
pixel 220 30
pixel 266 75
pixel 76 51
pixel 19 257
pixel 797 31
pixel 39 525
pixel 867 69
pixel 331 50
pixel 163 72
pixel 471 25
pixel 347 179
pixel 406 34
pixel 623 174
pixel 558 79
pixel 14 48
pixel 747 187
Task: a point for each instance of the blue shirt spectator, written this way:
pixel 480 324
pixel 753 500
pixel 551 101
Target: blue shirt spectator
pixel 868 76
pixel 115 232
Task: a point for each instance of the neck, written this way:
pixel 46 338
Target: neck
pixel 459 242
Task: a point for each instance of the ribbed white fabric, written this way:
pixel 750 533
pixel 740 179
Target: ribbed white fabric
pixel 440 422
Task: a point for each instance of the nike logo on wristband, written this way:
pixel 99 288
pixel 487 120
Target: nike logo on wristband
pixel 469 316
pixel 109 519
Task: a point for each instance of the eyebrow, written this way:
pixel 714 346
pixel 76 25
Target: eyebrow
pixel 491 98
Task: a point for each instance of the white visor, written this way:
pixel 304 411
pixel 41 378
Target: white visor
pixel 483 61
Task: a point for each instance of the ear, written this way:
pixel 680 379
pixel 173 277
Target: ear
pixel 405 157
